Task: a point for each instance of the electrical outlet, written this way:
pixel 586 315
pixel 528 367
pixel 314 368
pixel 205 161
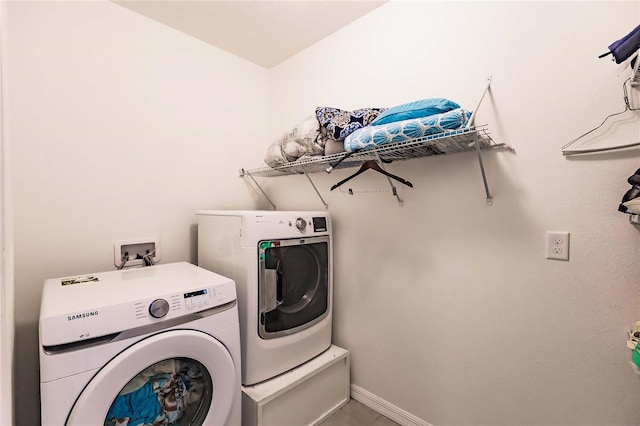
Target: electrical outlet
pixel 557 245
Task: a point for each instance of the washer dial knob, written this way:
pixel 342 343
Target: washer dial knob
pixel 301 224
pixel 159 308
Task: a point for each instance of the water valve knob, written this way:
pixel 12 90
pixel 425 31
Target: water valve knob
pixel 301 224
pixel 159 308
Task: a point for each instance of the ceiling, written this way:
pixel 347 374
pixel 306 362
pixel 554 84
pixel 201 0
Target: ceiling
pixel 265 32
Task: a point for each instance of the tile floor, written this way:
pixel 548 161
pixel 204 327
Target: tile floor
pixel 355 413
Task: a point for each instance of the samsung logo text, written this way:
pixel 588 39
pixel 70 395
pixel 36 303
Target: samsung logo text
pixel 82 315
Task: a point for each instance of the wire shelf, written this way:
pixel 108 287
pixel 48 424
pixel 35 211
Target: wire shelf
pixel 461 140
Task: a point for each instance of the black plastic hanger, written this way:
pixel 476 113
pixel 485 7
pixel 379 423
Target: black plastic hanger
pixel 370 164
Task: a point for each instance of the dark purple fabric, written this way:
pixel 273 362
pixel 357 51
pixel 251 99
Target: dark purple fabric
pixel 626 46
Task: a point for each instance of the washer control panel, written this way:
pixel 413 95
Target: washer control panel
pixel 119 301
pixel 158 308
pixel 196 300
pixel 177 304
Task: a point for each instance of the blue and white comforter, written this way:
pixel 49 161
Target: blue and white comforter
pixel 400 131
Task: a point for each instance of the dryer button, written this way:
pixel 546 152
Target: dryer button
pixel 159 308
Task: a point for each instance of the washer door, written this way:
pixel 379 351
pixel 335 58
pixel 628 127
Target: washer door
pixel 177 377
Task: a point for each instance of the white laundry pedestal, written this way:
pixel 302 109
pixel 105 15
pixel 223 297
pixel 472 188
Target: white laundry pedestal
pixel 305 395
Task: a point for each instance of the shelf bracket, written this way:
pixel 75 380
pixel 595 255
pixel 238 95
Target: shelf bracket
pixel 484 176
pixel 477 143
pixel 473 113
pixel 326 206
pixel 243 173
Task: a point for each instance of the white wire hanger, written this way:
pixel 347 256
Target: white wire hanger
pixel 627 107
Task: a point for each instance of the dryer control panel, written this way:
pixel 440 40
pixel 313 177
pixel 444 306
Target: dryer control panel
pixel 315 224
pixel 286 225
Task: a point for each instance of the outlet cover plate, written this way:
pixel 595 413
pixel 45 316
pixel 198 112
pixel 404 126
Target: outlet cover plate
pixel 557 245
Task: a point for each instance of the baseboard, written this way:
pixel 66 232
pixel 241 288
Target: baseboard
pixel 386 408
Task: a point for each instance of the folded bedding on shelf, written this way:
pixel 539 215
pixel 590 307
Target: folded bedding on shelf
pixel 415 109
pixel 303 139
pixel 338 123
pixel 319 134
pixel 401 131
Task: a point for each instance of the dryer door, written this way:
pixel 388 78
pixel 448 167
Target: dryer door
pixel 295 284
pixel 177 377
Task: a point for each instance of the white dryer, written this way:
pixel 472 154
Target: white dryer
pixel 156 344
pixel 281 262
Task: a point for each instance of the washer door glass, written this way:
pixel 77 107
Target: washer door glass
pixel 294 285
pixel 175 391
pixel 176 377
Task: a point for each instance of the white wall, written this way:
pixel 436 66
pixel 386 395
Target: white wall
pixel 448 306
pixel 7 323
pixel 120 128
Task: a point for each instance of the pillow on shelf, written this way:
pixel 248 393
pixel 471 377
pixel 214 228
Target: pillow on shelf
pixel 417 109
pixel 339 123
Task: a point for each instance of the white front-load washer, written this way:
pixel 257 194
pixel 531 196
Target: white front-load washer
pixel 281 262
pixel 152 345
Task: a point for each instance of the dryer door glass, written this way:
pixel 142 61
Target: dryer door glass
pixel 294 285
pixel 175 391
